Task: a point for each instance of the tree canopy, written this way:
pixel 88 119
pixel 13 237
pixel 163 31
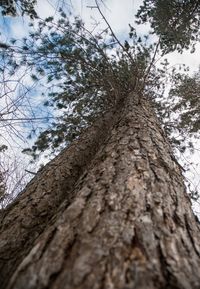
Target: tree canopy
pixel 85 73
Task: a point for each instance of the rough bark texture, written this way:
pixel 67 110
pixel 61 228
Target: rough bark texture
pixel 24 220
pixel 124 219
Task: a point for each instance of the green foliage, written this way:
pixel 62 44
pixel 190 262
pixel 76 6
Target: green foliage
pixel 175 22
pixel 3 148
pixel 18 7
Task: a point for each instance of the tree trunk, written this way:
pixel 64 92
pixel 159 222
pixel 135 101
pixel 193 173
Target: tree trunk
pixel 109 212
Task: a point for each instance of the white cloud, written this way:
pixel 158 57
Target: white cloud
pixel 45 8
pixel 189 59
pixel 118 13
pixel 19 28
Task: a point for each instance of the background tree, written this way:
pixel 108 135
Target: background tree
pixel 176 22
pixel 14 176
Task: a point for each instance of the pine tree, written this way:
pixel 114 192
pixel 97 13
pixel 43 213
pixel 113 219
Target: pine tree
pixel 111 210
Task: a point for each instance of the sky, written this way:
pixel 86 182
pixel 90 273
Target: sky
pixel 119 14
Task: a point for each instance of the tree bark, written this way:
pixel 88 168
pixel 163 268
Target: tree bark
pixel 121 220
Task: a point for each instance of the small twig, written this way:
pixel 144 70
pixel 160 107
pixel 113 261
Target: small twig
pixel 26 119
pixel 112 32
pixel 91 7
pixel 110 28
pixel 151 64
pixel 33 173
